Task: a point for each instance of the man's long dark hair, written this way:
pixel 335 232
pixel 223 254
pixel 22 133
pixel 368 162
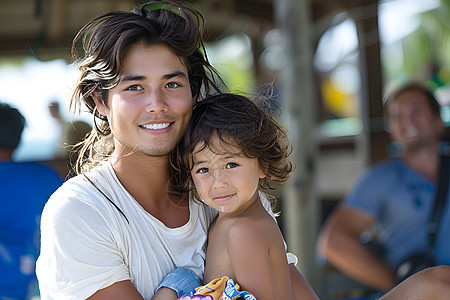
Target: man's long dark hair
pixel 106 40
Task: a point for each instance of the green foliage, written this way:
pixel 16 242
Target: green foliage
pixel 425 51
pixel 237 79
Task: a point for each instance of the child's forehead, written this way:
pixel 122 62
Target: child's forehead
pixel 218 146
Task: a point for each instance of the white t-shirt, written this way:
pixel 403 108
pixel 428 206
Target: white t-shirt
pixel 87 244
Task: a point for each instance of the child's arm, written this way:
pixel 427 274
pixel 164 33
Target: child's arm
pixel 258 259
pixel 176 284
pixel 301 288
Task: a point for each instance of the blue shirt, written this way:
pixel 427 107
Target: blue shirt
pixel 24 189
pixel 401 201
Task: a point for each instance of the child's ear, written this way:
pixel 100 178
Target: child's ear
pixel 262 170
pixel 262 174
pixel 101 107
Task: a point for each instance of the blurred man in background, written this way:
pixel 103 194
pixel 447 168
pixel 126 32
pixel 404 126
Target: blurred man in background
pixel 24 189
pixel 393 200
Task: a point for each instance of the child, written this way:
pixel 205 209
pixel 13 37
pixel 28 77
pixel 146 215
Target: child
pixel 230 151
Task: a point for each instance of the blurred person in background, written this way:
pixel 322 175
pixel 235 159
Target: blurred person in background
pixel 24 189
pixel 383 221
pixel 71 133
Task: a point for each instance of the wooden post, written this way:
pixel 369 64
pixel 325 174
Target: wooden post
pixel 300 204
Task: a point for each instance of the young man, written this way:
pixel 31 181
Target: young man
pixel 116 230
pixel 396 198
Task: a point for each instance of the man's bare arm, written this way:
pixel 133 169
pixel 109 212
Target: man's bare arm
pixel 429 284
pixel 339 243
pixel 116 291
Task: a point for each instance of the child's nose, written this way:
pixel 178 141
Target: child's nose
pixel 220 180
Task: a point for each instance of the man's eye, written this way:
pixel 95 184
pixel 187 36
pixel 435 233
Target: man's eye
pixel 172 85
pixel 202 170
pixel 231 165
pixel 134 88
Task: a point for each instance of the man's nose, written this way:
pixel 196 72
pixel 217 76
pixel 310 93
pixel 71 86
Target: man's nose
pixel 157 102
pixel 407 120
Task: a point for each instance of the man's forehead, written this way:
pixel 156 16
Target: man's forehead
pixel 154 54
pixel 410 98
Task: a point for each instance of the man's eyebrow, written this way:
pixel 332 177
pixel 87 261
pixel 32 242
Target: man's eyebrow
pixel 175 74
pixel 133 77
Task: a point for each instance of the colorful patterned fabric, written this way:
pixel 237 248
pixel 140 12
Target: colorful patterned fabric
pixel 219 289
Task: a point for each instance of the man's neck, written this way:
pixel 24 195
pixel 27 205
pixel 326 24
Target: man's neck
pixel 143 176
pixel 425 161
pixel 147 180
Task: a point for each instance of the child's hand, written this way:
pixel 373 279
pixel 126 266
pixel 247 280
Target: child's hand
pixel 196 297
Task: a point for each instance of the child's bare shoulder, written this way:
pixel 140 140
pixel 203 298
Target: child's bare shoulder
pixel 253 229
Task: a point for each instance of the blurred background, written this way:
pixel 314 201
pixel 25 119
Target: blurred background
pixel 328 63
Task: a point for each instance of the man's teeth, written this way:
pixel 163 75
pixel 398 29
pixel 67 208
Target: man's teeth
pixel 411 131
pixel 156 126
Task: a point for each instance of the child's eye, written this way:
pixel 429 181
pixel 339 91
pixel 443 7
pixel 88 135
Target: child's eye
pixel 172 85
pixel 134 88
pixel 231 165
pixel 202 170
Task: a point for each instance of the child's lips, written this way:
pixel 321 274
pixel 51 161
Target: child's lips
pixel 223 198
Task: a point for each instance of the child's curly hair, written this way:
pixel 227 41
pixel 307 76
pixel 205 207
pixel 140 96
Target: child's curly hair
pixel 240 122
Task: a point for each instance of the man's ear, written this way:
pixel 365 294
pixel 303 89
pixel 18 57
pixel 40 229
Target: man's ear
pixel 97 97
pixel 195 99
pixel 440 127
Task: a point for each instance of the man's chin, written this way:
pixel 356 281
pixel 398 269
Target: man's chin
pixel 157 151
pixel 413 146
